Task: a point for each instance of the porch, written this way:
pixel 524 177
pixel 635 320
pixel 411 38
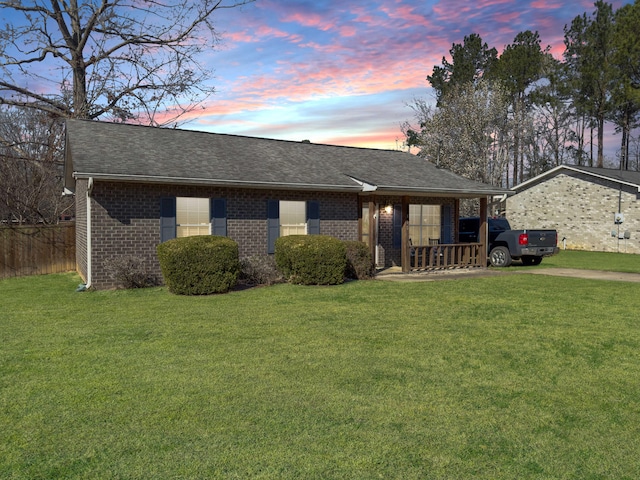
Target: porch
pixel 397 238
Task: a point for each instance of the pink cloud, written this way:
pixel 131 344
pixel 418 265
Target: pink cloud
pixel 363 16
pixel 385 138
pixel 308 20
pixel 507 17
pixel 545 5
pixel 238 37
pixel 451 11
pixel 354 51
pixel 265 31
pixel 348 31
pixel 408 15
pixel 325 49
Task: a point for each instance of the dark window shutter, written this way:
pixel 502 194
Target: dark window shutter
pixel 273 224
pixel 218 212
pixel 446 233
pixel 397 226
pixel 313 218
pixel 167 219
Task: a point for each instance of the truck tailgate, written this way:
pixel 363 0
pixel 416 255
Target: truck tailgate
pixel 542 238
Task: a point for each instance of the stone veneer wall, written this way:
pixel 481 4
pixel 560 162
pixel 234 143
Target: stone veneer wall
pixel 126 220
pixel 582 209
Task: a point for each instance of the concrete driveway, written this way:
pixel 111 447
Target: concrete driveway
pixel 396 275
pixel 590 274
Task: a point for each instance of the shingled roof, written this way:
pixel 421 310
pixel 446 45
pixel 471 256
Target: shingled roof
pixel 124 152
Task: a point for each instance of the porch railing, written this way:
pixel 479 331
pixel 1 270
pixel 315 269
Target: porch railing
pixel 442 256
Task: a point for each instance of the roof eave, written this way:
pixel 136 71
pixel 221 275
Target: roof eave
pixel 215 182
pixel 365 188
pixel 572 168
pixel 515 188
pixel 446 192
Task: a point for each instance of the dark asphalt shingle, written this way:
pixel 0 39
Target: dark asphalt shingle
pixel 131 152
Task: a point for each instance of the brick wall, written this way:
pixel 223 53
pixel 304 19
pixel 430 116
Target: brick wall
pixel 582 209
pixel 126 220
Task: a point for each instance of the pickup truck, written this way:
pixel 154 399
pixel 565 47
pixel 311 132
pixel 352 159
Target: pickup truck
pixel 505 245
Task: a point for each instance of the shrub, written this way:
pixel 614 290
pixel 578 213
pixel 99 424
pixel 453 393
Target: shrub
pixel 129 272
pixel 199 265
pixel 359 262
pixel 311 259
pixel 260 270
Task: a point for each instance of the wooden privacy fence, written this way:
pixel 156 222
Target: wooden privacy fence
pixel 35 250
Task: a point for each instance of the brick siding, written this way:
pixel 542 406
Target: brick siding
pixel 582 209
pixel 126 220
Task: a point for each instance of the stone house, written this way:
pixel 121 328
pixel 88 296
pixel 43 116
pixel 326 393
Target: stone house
pixel 595 209
pixel 137 186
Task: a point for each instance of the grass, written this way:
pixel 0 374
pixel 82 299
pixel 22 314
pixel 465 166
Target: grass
pixel 613 262
pixel 518 376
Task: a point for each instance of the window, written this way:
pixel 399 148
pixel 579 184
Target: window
pixel 192 217
pixel 365 223
pixel 187 216
pixel 424 224
pixel 293 218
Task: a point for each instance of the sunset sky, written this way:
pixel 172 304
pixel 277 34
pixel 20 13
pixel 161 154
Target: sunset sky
pixel 343 72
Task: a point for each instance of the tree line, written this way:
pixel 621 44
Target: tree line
pixel 502 119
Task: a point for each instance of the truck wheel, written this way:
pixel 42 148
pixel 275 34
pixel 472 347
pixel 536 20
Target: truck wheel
pixel 500 257
pixel 531 260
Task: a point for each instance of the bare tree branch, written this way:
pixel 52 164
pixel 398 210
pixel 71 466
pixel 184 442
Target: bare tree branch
pixel 31 161
pixel 115 56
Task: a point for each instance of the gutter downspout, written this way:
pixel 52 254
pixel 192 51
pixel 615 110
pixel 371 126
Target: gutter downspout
pixel 89 193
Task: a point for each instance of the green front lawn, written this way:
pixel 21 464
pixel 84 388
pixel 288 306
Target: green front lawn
pixel 613 262
pixel 517 376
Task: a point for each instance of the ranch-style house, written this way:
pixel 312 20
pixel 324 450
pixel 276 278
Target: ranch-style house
pixel 137 186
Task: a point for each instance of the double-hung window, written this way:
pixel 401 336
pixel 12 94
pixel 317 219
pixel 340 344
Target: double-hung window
pixel 428 224
pixel 188 216
pixel 424 224
pixel 293 218
pixel 192 216
pixel 286 217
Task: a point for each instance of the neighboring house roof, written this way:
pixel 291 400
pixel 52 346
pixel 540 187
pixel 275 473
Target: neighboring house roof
pixel 124 152
pixel 623 177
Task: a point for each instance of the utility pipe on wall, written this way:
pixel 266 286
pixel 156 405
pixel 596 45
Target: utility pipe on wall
pixel 89 192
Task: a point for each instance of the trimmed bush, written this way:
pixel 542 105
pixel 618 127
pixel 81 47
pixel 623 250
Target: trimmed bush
pixel 311 259
pixel 199 265
pixel 260 270
pixel 359 262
